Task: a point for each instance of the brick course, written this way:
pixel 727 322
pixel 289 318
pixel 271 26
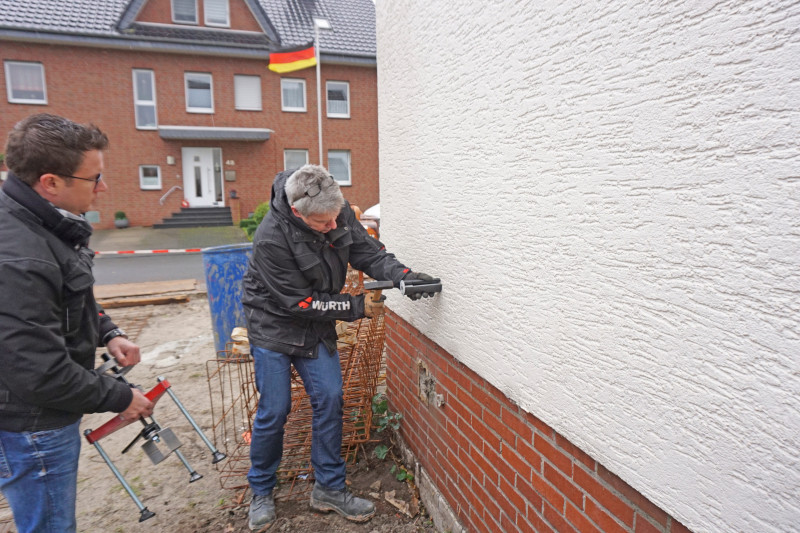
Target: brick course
pixel 500 468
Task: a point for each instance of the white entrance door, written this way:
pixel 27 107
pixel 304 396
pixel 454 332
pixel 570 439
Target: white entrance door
pixel 202 184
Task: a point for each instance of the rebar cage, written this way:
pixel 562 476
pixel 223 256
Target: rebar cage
pixel 234 401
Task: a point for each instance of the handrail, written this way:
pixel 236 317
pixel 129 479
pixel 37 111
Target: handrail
pixel 174 188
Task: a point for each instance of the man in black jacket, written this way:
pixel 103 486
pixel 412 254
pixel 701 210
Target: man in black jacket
pixel 50 324
pixel 292 300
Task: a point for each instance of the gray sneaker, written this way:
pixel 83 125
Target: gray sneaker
pixel 343 502
pixel 262 511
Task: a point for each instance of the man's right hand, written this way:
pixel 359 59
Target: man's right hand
pixel 140 406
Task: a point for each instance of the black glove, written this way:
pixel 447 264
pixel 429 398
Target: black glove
pixel 421 276
pixel 418 275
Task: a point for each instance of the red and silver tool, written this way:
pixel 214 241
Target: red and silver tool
pixel 158 442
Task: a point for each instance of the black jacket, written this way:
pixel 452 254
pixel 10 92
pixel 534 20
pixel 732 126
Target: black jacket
pixel 50 324
pixel 292 286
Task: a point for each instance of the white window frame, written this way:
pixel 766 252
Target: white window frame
pixel 10 93
pixel 227 23
pixel 286 152
pixel 141 178
pixel 176 21
pixel 289 109
pixel 349 167
pixel 138 102
pixel 347 99
pixel 186 76
pixel 239 78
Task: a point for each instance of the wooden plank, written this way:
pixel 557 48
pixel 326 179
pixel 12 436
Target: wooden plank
pixel 133 302
pixel 142 289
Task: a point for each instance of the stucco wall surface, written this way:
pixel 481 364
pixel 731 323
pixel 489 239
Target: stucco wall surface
pixel 610 192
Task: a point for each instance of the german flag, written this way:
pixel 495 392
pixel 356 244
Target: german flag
pixel 291 59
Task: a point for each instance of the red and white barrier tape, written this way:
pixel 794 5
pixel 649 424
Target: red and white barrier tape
pixel 143 252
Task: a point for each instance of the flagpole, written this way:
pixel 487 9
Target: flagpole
pixel 319 23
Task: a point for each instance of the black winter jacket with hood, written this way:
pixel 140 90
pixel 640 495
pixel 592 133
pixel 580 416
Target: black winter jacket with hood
pixel 50 324
pixel 292 287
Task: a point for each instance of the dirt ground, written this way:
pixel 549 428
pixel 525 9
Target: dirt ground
pixel 176 342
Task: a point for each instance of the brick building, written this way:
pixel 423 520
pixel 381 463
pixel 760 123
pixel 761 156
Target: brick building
pixel 182 89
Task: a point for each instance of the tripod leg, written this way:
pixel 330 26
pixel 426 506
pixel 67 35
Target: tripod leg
pixel 144 513
pixel 218 455
pixel 193 475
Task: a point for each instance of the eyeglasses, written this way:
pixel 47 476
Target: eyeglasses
pixel 314 190
pixel 95 179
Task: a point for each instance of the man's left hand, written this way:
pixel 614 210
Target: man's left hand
pixel 422 277
pixel 124 351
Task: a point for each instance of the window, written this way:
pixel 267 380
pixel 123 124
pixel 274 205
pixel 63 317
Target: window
pixel 247 92
pixel 293 95
pixel 144 99
pixel 294 159
pixel 339 166
pixel 184 11
pixel 199 93
pixel 216 13
pixel 149 177
pixel 338 99
pixel 25 83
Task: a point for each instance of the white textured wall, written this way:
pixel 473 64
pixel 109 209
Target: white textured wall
pixel 611 194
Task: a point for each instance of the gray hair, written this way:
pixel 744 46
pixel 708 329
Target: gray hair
pixel 304 182
pixel 44 143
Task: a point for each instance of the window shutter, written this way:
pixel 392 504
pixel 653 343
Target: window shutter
pixel 339 165
pixel 337 99
pixel 247 92
pixel 294 159
pixel 184 11
pixel 198 92
pixel 216 12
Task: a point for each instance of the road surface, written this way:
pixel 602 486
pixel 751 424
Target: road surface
pixel 114 269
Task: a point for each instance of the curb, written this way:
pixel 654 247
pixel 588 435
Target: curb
pixel 146 252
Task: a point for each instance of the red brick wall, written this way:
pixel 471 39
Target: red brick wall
pixel 94 85
pixel 160 12
pixel 499 467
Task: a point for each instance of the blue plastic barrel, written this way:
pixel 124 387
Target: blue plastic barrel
pixel 225 267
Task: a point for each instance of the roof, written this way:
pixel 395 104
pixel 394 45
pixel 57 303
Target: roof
pixel 113 23
pixel 352 22
pixel 89 17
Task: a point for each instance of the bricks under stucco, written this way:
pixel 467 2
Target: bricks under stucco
pixel 610 195
pixel 501 468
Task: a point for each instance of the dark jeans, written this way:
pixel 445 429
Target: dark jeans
pixel 322 378
pixel 39 477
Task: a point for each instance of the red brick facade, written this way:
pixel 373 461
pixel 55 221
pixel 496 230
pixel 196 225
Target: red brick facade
pixel 160 12
pixel 89 84
pixel 499 467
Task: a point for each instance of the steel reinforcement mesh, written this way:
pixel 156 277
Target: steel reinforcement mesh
pixel 234 400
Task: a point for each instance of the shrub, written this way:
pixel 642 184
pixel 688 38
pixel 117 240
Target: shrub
pixel 120 215
pixel 249 225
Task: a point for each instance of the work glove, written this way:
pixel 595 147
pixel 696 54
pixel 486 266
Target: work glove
pixel 421 276
pixel 371 307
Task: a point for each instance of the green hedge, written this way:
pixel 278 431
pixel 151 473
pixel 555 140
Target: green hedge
pixel 249 225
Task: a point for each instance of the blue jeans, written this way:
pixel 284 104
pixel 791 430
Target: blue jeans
pixel 322 378
pixel 39 477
